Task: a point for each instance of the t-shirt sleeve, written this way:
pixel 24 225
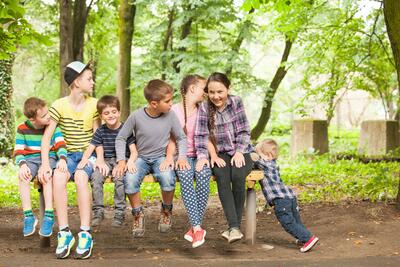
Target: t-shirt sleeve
pixel 97 139
pixel 55 111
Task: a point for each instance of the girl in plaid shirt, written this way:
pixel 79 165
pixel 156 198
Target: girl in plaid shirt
pixel 222 120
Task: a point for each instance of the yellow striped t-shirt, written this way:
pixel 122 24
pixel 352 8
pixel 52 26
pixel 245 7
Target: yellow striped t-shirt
pixel 76 126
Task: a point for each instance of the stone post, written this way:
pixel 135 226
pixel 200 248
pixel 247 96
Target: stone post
pixel 309 135
pixel 378 137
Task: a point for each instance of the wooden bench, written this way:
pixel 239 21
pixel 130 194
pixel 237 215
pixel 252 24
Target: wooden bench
pixel 250 212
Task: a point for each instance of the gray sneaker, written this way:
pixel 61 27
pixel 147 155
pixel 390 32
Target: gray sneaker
pixel 138 224
pixel 97 219
pixel 118 220
pixel 165 223
pixel 225 234
pixel 234 235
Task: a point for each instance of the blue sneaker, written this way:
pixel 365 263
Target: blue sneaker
pixel 85 245
pixel 46 229
pixel 30 225
pixel 65 242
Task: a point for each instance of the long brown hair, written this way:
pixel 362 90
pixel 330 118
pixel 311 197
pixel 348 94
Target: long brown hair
pixel 212 110
pixel 185 84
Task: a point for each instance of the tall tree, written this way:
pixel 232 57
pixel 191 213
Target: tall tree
pixel 391 10
pixel 73 18
pixel 127 13
pixel 7 120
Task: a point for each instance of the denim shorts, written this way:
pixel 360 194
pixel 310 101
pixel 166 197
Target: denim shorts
pixel 34 164
pixel 144 166
pixel 73 159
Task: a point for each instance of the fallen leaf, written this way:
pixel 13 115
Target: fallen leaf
pixel 357 242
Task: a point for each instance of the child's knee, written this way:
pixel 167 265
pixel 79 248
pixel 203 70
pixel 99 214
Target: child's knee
pixel 167 180
pixel 132 183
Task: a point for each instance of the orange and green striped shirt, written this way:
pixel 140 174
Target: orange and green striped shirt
pixel 76 126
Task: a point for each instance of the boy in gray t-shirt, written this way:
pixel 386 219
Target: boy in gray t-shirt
pixel 152 127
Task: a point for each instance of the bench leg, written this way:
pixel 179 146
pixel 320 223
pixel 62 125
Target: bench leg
pixel 44 241
pixel 251 216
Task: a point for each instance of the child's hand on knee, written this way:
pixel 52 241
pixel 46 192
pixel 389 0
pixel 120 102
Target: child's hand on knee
pixel 131 166
pixel 62 165
pixel 25 173
pixel 217 161
pixel 119 169
pixel 182 164
pixel 82 163
pixel 102 166
pixel 201 163
pixel 167 164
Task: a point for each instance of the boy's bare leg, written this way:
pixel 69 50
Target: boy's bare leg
pixel 83 197
pixel 25 192
pixel 60 180
pixel 48 194
pixel 168 196
pixel 134 199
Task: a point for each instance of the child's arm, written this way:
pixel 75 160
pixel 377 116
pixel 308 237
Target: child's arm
pixel 24 174
pixel 130 166
pixel 126 131
pixel 214 156
pixel 181 140
pixel 86 155
pixel 45 171
pixel 242 136
pixel 169 158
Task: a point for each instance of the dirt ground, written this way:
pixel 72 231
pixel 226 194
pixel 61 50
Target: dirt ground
pixel 351 234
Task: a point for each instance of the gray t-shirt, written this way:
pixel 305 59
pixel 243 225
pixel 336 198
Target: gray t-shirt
pixel 152 134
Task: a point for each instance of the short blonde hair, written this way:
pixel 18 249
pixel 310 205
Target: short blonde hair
pixel 268 146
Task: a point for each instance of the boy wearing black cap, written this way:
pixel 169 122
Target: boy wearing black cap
pixel 77 117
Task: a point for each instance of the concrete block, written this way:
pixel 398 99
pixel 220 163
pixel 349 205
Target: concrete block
pixel 378 137
pixel 309 136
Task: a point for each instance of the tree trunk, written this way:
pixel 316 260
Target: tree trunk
pixel 7 119
pixel 167 38
pixel 127 12
pixel 81 12
pixel 392 19
pixel 66 55
pixel 237 44
pixel 269 95
pixel 186 28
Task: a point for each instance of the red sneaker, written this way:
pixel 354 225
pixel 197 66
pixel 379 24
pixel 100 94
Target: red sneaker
pixel 189 235
pixel 199 238
pixel 310 243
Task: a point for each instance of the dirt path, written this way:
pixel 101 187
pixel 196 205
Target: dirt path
pixel 351 234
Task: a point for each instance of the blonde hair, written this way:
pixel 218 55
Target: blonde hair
pixel 268 146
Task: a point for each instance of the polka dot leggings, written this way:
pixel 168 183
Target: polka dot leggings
pixel 195 198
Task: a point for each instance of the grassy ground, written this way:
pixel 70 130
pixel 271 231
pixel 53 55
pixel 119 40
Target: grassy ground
pixel 316 178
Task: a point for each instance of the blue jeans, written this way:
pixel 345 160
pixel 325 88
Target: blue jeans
pixel 73 159
pixel 195 199
pixel 144 166
pixel 287 213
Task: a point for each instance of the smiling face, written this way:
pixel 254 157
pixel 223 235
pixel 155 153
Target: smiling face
pixel 218 94
pixel 42 118
pixel 111 116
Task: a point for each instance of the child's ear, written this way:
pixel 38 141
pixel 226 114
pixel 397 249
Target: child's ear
pixel 191 88
pixel 154 104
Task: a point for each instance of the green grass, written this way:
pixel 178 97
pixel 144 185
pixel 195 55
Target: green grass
pixel 317 178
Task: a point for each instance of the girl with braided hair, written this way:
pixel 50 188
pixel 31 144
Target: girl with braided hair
pixel 194 197
pixel 222 120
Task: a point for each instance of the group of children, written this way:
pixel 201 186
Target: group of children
pixel 196 139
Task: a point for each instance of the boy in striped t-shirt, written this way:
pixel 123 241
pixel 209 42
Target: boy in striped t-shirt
pixel 27 157
pixel 77 117
pixel 108 107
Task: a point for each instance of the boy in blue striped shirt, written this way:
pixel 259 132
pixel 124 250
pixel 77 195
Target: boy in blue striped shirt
pixel 280 196
pixel 103 142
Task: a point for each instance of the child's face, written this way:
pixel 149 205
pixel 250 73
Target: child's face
pixel 42 118
pixel 164 105
pixel 85 81
pixel 110 115
pixel 266 155
pixel 198 90
pixel 218 94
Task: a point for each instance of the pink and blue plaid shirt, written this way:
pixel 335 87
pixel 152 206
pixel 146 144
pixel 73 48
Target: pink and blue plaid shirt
pixel 232 129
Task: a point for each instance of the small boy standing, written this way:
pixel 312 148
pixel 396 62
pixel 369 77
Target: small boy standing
pixel 27 157
pixel 152 127
pixel 281 196
pixel 108 107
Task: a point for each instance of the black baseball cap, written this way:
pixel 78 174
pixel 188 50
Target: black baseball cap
pixel 73 70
